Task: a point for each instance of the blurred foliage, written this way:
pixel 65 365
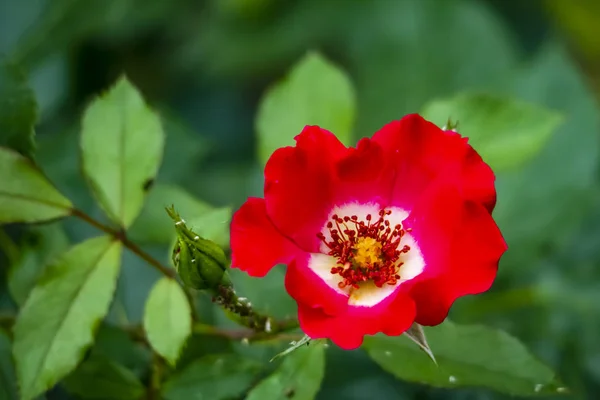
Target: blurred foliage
pixel 205 65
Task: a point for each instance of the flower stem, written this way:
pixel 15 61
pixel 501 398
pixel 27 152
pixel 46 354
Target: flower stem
pixel 156 373
pixel 247 316
pixel 9 247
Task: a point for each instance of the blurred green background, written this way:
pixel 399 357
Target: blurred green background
pixel 204 65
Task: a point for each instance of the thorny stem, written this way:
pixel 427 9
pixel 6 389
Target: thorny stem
pixel 136 333
pixel 153 391
pixel 6 321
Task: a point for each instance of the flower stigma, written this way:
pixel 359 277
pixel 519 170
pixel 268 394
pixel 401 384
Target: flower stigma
pixel 366 251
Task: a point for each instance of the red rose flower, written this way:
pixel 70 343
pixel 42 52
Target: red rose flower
pixel 374 237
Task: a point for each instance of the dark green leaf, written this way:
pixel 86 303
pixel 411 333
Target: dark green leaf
pixel 212 377
pixel 47 242
pixel 101 378
pixel 25 193
pixel 505 132
pixel 122 144
pixel 416 51
pixel 119 346
pixel 68 23
pixel 199 345
pixel 168 319
pixel 18 110
pixel 547 189
pixel 185 149
pixel 315 93
pixel 8 383
pixel 299 376
pixel 467 355
pixel 58 320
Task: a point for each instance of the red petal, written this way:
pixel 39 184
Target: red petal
pixel 348 330
pixel 420 152
pixel 478 180
pixel 434 221
pixel 299 185
pixel 256 246
pixel 307 288
pixel 363 175
pixel 304 183
pixel 471 266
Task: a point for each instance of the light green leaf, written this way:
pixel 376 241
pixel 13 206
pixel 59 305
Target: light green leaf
pixel 299 376
pixel 213 377
pixel 59 318
pixel 167 319
pixel 505 132
pixel 8 385
pixel 100 378
pixel 154 225
pixel 18 110
pixel 25 193
pixel 46 242
pixel 122 144
pixel 467 355
pixel 315 92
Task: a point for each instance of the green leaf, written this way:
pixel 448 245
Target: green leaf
pixel 392 62
pixel 467 355
pixel 69 23
pixel 25 193
pixel 46 242
pixel 299 376
pixel 122 144
pixel 18 110
pixel 167 319
pixel 60 316
pixel 200 345
pixel 314 93
pixel 100 378
pixel 507 133
pixel 8 386
pixel 212 377
pixel 213 225
pixel 154 225
pixel 524 211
